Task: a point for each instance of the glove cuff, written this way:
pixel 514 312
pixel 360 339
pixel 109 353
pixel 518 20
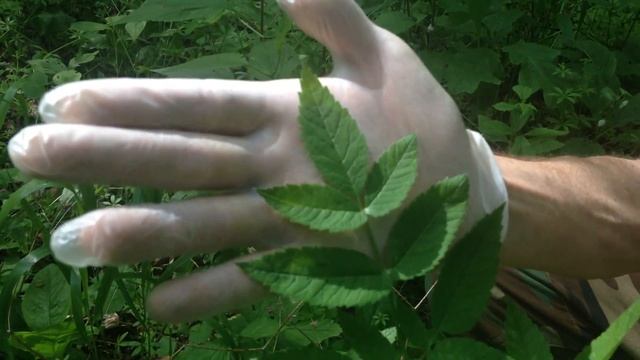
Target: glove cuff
pixel 492 190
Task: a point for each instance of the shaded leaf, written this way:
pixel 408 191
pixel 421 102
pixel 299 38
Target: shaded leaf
pixel 493 129
pixel 204 67
pixel 465 349
pixel 467 276
pixel 175 10
pixel 332 138
pixel 395 21
pixel 260 328
pixel 582 147
pixel 310 353
pixel 313 331
pixel 423 232
pixel 536 65
pixel 318 207
pixel 464 76
pixel 13 201
pixel 368 342
pixel 47 301
pixel 410 324
pixel 50 343
pixel 392 177
pixel 524 339
pixel 330 277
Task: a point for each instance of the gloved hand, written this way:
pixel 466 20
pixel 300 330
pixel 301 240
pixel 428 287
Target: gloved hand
pixel 236 136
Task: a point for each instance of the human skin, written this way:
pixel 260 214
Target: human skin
pixel 572 216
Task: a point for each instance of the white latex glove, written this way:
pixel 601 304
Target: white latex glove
pixel 238 135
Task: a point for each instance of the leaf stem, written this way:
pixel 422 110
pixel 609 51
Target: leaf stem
pixel 372 243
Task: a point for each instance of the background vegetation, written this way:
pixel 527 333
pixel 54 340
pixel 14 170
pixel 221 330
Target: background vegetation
pixel 538 77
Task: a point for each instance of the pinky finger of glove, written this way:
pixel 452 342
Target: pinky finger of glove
pixel 217 290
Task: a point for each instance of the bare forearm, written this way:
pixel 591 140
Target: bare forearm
pixel 573 216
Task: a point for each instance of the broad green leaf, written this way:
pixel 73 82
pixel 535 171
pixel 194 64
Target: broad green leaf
pixel 365 339
pixel 8 284
pixel 204 351
pixel 395 21
pixel 524 339
pixel 545 132
pixel 134 29
pixel 318 207
pixel 582 147
pixel 330 277
pixel 50 343
pixel 629 113
pixel 175 10
pixel 315 331
pixel 332 138
pixel 6 101
pixel 392 177
pixel 88 26
pixel 200 333
pixel 422 234
pixel 13 201
pixel 536 64
pixel 505 106
pixel 66 76
pixel 204 67
pixel 464 76
pixel 260 328
pixel 273 59
pixel 33 86
pixel 520 146
pixel 464 349
pixel 541 146
pixel 501 22
pixel 605 345
pixel 309 353
pixel 467 276
pixel 493 129
pixel 47 301
pixel 524 92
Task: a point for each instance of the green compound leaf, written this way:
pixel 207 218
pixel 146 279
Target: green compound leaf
pixel 330 277
pixel 467 276
pixel 318 207
pixel 465 349
pixel 365 339
pixel 423 233
pixel 605 345
pixel 332 138
pixel 47 301
pixel 391 177
pixel 524 339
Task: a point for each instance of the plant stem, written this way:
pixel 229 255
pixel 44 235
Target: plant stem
pixel 372 243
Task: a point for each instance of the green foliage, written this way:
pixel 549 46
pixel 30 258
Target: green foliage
pixel 47 301
pixel 318 207
pixel 467 276
pixel 391 177
pixel 424 231
pixel 332 138
pixel 524 339
pixel 465 349
pixel 321 276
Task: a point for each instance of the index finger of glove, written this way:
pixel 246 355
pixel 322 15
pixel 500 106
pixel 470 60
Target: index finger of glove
pixel 227 107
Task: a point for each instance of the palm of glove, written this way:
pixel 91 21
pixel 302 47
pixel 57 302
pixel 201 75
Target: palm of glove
pixel 231 135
